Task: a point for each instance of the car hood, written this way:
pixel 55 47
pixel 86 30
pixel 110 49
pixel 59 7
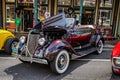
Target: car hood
pixel 116 50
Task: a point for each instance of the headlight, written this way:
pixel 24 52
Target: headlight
pixel 116 61
pixel 22 39
pixel 41 41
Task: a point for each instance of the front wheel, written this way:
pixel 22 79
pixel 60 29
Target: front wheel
pixel 9 44
pixel 99 47
pixel 61 62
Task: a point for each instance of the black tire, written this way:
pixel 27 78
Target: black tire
pixel 61 62
pixel 99 47
pixel 8 44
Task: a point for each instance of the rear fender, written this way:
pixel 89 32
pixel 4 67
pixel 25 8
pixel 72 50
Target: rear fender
pixel 55 47
pixel 4 37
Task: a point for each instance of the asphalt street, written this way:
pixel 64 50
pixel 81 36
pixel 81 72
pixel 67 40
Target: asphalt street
pixel 90 67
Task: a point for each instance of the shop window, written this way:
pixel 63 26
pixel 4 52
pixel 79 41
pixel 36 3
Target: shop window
pixel 10 0
pixel 61 9
pixel 106 3
pixel 10 13
pixel 43 7
pixel 25 1
pixel 43 1
pixel 90 3
pixel 76 2
pixel 104 18
pixel 41 12
pixel 64 2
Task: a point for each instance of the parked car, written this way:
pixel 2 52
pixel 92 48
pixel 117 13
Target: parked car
pixel 57 41
pixel 115 59
pixel 7 40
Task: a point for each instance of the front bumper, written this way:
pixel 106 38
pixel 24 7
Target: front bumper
pixel 116 64
pixel 27 57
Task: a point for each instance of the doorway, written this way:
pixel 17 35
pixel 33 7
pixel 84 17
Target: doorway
pixel 27 20
pixel 88 16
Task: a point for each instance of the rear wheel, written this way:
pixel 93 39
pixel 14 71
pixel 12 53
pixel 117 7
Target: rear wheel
pixel 99 47
pixel 9 43
pixel 61 62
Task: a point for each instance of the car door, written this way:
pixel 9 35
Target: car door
pixel 80 36
pixel 85 35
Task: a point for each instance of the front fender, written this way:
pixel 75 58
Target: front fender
pixel 56 46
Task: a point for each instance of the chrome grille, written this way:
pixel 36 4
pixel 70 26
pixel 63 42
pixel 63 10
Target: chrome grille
pixel 32 42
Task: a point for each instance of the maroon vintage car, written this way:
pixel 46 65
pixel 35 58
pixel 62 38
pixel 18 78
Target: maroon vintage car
pixel 115 59
pixel 57 41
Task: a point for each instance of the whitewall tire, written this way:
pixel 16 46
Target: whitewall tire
pixel 99 47
pixel 61 62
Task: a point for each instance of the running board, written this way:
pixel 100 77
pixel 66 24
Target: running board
pixel 83 52
pixel 84 46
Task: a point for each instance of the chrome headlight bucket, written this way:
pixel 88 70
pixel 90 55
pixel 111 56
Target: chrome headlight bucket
pixel 41 41
pixel 116 61
pixel 22 39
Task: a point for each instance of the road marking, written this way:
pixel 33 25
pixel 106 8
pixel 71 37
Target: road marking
pixel 102 60
pixel 7 57
pixel 107 49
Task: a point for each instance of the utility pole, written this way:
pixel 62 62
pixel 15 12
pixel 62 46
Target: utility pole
pixel 80 15
pixel 35 11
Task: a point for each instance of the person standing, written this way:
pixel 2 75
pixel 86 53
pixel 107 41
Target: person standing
pixel 18 22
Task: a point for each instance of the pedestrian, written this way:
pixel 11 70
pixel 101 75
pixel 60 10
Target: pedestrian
pixel 18 23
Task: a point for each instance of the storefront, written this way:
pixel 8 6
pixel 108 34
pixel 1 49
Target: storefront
pixel 101 12
pixel 8 13
pixel 26 14
pixel 0 14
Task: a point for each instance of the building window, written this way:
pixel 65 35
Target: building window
pixel 106 3
pixel 43 7
pixel 76 2
pixel 64 2
pixel 43 1
pixel 104 17
pixel 10 13
pixel 25 1
pixel 90 3
pixel 10 0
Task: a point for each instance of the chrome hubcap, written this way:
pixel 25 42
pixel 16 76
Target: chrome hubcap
pixel 62 62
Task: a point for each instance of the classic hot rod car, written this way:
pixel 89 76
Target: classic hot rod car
pixel 56 40
pixel 115 59
pixel 7 39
